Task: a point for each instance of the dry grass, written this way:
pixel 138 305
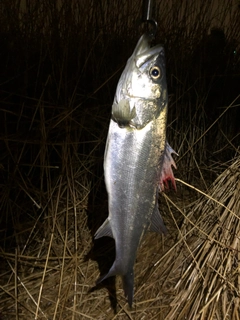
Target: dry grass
pixel 49 274
pixel 206 263
pixel 193 272
pixel 59 67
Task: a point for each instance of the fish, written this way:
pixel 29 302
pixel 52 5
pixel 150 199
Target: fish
pixel 138 159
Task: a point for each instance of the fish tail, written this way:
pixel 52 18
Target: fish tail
pixel 128 282
pixel 112 272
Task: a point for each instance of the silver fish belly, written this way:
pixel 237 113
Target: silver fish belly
pixel 137 158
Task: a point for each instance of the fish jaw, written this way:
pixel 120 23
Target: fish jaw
pixel 141 95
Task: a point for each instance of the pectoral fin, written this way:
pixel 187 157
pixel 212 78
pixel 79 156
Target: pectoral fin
pixel 122 113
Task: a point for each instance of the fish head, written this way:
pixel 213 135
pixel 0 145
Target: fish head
pixel 142 88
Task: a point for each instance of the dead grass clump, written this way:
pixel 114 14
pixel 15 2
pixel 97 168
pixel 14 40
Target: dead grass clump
pixel 206 266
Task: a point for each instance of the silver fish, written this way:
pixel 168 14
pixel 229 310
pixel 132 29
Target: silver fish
pixel 137 158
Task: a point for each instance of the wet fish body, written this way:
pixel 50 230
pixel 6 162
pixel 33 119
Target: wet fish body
pixel 137 158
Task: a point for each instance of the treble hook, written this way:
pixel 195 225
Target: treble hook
pixel 147 16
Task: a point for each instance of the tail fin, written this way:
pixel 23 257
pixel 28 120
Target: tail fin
pixel 128 281
pixel 114 270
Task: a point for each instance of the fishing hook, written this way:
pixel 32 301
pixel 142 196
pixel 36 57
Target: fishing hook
pixel 147 16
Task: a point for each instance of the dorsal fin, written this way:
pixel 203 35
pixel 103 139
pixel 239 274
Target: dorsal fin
pixel 157 224
pixel 166 170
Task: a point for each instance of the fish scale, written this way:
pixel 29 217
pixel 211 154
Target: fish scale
pixel 137 158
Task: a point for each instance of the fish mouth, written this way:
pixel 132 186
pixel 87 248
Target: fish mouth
pixel 133 102
pixel 143 44
pixel 143 51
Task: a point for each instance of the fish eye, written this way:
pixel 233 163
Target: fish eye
pixel 155 72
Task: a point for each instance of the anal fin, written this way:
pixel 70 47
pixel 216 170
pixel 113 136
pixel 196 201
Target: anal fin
pixel 104 231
